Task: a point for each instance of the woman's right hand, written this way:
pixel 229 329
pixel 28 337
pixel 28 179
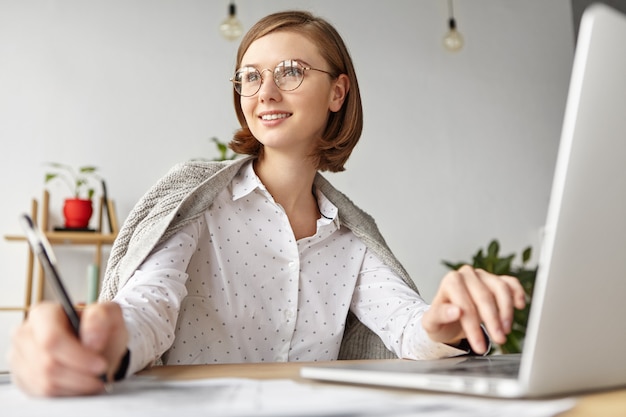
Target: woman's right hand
pixel 47 359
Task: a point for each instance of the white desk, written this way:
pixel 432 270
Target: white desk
pixel 276 390
pixel 609 404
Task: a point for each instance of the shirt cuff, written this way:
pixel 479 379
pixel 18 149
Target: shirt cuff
pixel 419 346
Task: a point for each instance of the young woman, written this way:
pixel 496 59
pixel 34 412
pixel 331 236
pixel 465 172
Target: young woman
pixel 261 259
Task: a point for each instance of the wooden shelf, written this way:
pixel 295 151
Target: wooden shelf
pixel 72 238
pixel 15 309
pixel 65 237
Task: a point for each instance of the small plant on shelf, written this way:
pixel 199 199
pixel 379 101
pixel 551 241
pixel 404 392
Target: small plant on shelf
pixel 78 209
pixel 77 179
pixel 491 261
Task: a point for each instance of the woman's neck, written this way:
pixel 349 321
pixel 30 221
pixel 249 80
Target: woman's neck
pixel 290 182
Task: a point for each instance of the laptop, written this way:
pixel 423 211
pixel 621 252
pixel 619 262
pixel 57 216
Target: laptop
pixel 576 335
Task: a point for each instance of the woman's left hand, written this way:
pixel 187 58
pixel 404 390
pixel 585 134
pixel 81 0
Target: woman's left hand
pixel 470 297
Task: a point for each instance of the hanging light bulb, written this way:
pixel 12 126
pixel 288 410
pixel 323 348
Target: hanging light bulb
pixel 453 41
pixel 231 27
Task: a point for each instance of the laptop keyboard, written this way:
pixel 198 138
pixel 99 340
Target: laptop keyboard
pixel 482 367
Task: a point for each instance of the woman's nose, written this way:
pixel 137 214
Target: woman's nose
pixel 268 90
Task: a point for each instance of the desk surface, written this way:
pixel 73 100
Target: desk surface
pixel 609 403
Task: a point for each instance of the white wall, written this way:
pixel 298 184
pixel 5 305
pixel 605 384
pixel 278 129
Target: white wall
pixel 457 149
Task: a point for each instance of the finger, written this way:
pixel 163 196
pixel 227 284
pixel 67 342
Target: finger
pixel 62 348
pixel 441 322
pixel 496 308
pixel 508 294
pixel 519 294
pixel 59 380
pixel 53 343
pixel 103 330
pixel 95 327
pixel 492 300
pixel 34 356
pixel 457 287
pixel 22 368
pixel 69 382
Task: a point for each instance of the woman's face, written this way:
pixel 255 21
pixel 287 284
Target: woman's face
pixel 290 121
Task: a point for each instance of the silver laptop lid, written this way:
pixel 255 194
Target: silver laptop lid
pixel 577 326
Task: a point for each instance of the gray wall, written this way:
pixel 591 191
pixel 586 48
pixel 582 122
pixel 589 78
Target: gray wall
pixel 457 149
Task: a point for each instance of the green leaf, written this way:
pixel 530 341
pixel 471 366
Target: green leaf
pixel 479 260
pixel 527 277
pixel 502 266
pixel 526 254
pixel 222 148
pixel 493 249
pixel 59 166
pixel 513 342
pixel 520 318
pixel 87 169
pixel 50 176
pixel 453 266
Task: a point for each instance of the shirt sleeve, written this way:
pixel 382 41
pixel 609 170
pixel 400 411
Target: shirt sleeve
pixel 152 297
pixel 392 310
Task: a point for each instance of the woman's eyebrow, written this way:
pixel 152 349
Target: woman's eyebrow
pixel 257 66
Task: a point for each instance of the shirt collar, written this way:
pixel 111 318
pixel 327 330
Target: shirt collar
pixel 246 181
pixel 327 209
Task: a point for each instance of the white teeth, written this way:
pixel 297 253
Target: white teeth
pixel 274 116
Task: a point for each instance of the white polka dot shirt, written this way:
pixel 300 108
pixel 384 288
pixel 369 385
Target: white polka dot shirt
pixel 236 286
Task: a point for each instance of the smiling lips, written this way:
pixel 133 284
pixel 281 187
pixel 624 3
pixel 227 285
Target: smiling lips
pixel 274 116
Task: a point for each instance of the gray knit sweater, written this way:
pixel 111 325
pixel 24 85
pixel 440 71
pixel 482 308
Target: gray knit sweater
pixel 187 191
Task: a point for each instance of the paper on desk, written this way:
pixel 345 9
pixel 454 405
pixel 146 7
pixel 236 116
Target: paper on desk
pixel 245 397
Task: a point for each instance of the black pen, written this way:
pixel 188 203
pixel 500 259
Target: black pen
pixel 41 248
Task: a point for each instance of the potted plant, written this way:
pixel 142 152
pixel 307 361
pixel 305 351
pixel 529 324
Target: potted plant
pixel 492 262
pixel 78 209
pixel 222 149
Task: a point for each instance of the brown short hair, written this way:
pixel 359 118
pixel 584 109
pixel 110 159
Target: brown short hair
pixel 344 127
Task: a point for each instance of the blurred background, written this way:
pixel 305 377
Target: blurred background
pixel 458 147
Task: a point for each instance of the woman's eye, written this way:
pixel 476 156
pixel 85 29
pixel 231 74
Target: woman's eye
pixel 291 72
pixel 251 77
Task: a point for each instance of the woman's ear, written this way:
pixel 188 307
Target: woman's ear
pixel 339 92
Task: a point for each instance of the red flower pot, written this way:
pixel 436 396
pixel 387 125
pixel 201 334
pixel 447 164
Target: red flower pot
pixel 77 213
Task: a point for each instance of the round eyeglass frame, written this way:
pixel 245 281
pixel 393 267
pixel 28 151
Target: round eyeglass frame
pixel 275 73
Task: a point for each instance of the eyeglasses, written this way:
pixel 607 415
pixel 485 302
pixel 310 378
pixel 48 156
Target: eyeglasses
pixel 288 75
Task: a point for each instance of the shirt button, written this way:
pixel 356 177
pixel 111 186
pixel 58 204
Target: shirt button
pixel 289 314
pixel 292 265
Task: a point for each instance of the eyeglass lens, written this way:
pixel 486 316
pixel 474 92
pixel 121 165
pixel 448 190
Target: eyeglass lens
pixel 287 75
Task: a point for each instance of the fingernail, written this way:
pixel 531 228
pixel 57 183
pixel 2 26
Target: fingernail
pixel 506 325
pixel 479 347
